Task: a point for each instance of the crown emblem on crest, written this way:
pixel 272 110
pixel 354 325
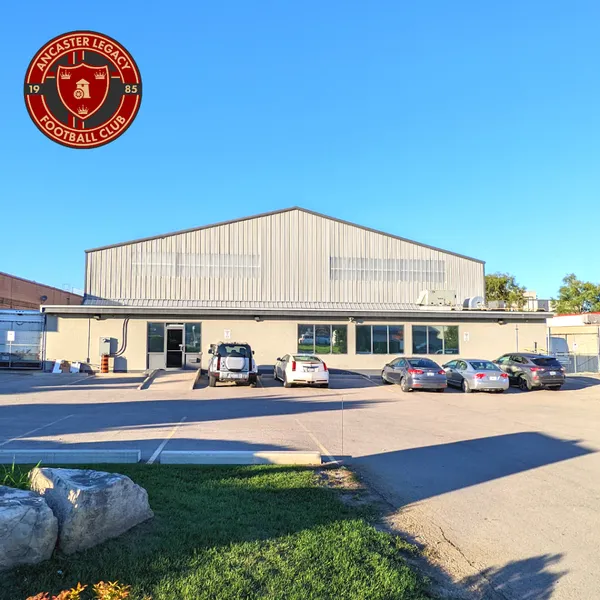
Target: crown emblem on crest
pixel 65 75
pixel 100 75
pixel 82 110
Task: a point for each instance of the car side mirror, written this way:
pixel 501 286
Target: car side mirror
pixel 210 350
pixel 252 352
pixel 278 359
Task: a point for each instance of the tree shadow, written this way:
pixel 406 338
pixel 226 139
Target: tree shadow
pixel 527 579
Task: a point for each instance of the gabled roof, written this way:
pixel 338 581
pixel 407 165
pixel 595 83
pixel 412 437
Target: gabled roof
pixel 277 212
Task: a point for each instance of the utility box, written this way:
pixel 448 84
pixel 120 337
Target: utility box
pixel 108 346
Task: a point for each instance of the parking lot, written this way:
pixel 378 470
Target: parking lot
pixel 502 489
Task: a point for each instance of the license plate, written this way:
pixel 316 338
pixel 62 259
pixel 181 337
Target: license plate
pixel 430 374
pixel 552 372
pixel 308 369
pixel 493 378
pixel 234 376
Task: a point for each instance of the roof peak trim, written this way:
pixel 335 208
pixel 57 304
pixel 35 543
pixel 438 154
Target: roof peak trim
pixel 281 211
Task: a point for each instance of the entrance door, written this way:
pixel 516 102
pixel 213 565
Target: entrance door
pixel 174 347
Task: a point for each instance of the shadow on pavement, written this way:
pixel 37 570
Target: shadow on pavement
pixel 527 579
pixel 433 470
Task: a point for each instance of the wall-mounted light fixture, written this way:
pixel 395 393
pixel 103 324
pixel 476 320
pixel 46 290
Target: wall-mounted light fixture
pixel 97 317
pixel 257 319
pixel 43 298
pixel 351 319
pixel 501 322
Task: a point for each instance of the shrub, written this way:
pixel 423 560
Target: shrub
pixel 112 590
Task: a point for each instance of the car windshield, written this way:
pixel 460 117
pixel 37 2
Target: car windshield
pixel 234 350
pixel 306 358
pixel 546 362
pixel 483 365
pixel 422 363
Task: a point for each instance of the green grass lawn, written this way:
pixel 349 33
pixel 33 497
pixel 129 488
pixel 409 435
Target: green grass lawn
pixel 236 533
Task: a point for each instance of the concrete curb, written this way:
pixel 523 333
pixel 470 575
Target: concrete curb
pixel 196 378
pixel 148 380
pixel 239 457
pixel 68 457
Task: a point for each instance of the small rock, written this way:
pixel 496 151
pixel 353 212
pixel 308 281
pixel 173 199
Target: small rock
pixel 91 506
pixel 28 528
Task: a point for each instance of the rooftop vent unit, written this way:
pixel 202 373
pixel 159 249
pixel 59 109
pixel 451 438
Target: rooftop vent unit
pixel 474 303
pixel 496 305
pixel 437 298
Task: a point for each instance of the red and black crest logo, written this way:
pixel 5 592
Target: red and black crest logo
pixel 83 89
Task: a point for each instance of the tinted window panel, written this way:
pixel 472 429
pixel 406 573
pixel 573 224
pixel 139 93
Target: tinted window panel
pixel 306 338
pixel 419 339
pixel 483 365
pixel 380 339
pixel 192 337
pixel 396 334
pixel 323 339
pixel 363 339
pixel 436 340
pixel 451 339
pixel 156 337
pixel 546 362
pixel 339 339
pixel 423 363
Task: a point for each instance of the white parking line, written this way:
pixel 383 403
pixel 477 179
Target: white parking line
pixel 34 430
pixel 164 442
pixel 320 446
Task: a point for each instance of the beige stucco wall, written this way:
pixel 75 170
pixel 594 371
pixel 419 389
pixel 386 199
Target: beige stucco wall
pixel 582 339
pixel 77 338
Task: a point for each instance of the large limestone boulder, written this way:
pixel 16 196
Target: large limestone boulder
pixel 91 506
pixel 28 528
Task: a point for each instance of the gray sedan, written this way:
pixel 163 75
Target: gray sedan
pixel 472 374
pixel 415 373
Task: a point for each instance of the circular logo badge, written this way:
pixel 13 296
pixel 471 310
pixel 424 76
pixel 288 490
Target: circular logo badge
pixel 83 89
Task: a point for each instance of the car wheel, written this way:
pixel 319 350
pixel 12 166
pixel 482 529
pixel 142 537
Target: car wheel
pixel 441 390
pixel 524 384
pixel 212 381
pixel 466 388
pixel 554 388
pixel 286 383
pixel 324 385
pixel 404 385
pixel 500 391
pixel 384 379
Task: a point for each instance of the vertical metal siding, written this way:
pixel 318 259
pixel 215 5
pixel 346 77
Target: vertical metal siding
pixel 294 250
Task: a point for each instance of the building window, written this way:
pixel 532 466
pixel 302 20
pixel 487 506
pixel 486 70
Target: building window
pixel 323 339
pixel 379 339
pixel 435 339
pixel 156 337
pixel 387 269
pixel 193 337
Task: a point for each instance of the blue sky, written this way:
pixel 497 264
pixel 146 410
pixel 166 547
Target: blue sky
pixel 472 126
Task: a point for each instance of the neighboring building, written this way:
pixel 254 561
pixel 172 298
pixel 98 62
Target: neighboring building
pixel 22 294
pixel 287 281
pixel 580 331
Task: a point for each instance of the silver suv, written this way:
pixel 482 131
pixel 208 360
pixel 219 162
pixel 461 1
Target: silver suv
pixel 530 371
pixel 232 361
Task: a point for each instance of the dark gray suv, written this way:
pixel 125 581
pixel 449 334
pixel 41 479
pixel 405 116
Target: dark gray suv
pixel 530 371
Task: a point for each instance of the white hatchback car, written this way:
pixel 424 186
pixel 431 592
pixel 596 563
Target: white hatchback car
pixel 305 369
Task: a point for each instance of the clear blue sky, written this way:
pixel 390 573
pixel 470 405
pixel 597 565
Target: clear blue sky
pixel 473 126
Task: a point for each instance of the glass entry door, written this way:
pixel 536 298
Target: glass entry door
pixel 175 347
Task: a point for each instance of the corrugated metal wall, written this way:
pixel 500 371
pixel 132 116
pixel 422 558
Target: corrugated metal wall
pixel 285 256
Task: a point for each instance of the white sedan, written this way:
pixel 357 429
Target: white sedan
pixel 305 369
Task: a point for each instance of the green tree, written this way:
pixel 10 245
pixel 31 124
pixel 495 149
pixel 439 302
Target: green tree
pixel 503 286
pixel 576 296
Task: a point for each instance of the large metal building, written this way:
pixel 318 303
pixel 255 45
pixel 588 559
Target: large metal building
pixel 286 281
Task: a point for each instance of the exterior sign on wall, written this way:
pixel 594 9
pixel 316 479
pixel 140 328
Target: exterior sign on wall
pixel 10 336
pixel 466 336
pixel 226 334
